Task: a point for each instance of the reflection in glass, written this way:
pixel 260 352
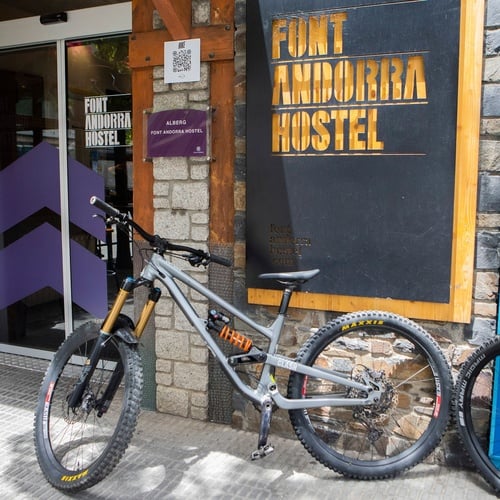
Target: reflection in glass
pixel 100 134
pixel 29 125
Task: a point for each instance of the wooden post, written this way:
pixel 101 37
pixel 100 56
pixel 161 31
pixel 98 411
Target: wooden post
pixel 142 99
pixel 222 199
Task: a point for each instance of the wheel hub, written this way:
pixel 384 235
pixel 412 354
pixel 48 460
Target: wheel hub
pixel 77 414
pixel 378 412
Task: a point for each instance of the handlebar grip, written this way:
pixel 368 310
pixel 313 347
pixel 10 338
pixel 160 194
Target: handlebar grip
pixel 105 207
pixel 220 260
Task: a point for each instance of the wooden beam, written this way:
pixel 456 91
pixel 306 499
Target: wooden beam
pixel 142 15
pixel 223 149
pixel 146 49
pixel 142 98
pixel 223 152
pixel 221 214
pixel 222 11
pixel 176 16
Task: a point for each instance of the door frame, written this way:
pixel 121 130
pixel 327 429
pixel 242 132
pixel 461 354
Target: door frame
pixel 107 20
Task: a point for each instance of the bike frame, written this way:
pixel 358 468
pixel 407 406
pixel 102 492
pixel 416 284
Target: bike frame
pixel 158 268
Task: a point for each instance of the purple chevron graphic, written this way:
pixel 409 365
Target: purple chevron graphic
pixel 36 271
pixel 89 283
pixel 35 261
pixel 25 268
pixel 84 183
pixel 35 176
pixel 29 184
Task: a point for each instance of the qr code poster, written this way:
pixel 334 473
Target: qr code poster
pixel 182 61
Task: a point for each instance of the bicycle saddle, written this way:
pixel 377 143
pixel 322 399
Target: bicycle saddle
pixel 291 278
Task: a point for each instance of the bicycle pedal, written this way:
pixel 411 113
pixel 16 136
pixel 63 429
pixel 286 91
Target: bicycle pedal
pixel 262 452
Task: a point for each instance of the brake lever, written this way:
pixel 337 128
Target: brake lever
pixel 110 220
pixel 99 216
pixel 194 260
pixel 198 260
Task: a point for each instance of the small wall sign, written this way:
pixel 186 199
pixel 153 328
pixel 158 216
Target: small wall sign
pixel 178 132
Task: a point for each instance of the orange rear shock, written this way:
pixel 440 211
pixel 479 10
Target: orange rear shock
pixel 235 338
pixel 220 323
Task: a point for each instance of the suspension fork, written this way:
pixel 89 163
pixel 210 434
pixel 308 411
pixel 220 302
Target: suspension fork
pixel 108 329
pixel 105 402
pixel 76 395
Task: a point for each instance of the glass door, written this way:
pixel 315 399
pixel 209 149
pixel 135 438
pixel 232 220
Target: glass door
pixel 100 138
pixel 31 299
pixel 65 121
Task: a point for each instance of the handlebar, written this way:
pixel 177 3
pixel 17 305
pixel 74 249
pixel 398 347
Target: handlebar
pixel 102 205
pixel 196 256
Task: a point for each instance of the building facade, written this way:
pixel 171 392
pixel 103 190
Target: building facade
pixel 199 201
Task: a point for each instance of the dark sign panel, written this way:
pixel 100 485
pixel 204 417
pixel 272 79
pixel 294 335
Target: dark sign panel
pixel 177 132
pixel 351 126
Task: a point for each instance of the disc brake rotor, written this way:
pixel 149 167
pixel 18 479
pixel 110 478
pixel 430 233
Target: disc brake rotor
pixel 378 412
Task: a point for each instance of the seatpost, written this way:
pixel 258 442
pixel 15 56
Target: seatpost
pixel 285 298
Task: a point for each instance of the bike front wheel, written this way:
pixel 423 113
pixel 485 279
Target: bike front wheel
pixel 77 447
pixel 393 355
pixel 477 411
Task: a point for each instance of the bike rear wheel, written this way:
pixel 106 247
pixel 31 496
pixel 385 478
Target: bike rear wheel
pixel 78 447
pixel 476 410
pixel 404 426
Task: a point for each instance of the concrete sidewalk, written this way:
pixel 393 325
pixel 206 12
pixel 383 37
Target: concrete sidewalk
pixel 177 458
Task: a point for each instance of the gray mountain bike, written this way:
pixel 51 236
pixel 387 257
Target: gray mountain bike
pixel 368 394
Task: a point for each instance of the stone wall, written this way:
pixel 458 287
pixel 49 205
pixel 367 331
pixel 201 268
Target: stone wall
pixel 488 220
pixel 181 204
pixel 181 190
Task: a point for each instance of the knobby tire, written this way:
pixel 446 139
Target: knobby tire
pixel 404 427
pixel 75 447
pixel 475 410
